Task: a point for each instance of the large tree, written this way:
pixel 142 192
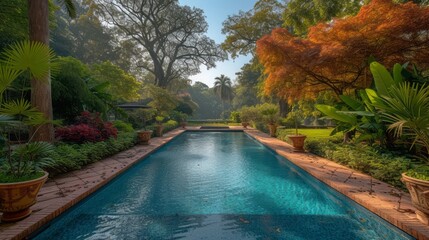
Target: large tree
pixel 171 35
pixel 335 55
pixel 245 28
pixel 246 91
pixel 302 14
pixel 38 18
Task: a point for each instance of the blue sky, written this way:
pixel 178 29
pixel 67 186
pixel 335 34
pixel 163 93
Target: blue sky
pixel 216 11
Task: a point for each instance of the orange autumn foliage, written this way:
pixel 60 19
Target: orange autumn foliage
pixel 334 56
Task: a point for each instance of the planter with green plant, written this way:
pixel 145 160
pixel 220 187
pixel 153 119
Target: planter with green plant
pixel 21 171
pixel 270 114
pixel 159 127
pixel 182 118
pixel 404 107
pixel 145 135
pixel 297 139
pixel 245 121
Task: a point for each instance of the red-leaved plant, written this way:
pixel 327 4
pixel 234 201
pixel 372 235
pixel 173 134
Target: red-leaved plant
pixel 89 128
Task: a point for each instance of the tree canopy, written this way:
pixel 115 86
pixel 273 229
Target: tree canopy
pixel 171 36
pixel 245 28
pixel 334 56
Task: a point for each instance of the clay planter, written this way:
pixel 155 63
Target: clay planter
pixel 17 198
pixel 144 137
pixel 297 142
pixel 183 124
pixel 273 129
pixel 158 130
pixel 419 191
pixel 245 124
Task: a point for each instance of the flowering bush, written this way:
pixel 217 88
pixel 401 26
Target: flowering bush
pixel 89 128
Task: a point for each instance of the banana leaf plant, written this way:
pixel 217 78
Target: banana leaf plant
pixel 359 114
pixel 29 60
pixel 403 105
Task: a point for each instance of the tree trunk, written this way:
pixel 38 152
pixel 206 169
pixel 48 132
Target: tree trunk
pixel 223 110
pixel 38 13
pixel 284 107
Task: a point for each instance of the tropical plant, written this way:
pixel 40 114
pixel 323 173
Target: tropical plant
pixel 24 161
pixel 270 113
pixel 403 105
pixel 223 89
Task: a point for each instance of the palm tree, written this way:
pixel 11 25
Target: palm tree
pixel 223 89
pixel 38 13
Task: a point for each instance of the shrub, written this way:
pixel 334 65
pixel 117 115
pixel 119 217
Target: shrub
pixel 170 125
pixel 89 128
pixel 385 166
pixel 235 116
pixel 68 157
pixel 79 133
pixel 123 126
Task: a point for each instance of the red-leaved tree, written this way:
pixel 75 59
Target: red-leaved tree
pixel 334 56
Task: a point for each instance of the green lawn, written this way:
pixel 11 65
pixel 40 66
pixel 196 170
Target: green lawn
pixel 312 134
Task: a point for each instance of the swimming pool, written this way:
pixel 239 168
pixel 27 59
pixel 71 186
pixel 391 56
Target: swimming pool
pixel 217 185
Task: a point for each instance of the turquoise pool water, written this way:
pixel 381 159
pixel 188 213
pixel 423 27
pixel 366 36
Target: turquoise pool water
pixel 215 185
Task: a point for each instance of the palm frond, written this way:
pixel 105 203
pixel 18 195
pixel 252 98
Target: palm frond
pixel 22 110
pixel 34 57
pixel 7 76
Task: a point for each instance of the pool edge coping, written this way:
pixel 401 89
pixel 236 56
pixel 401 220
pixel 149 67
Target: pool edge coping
pixel 48 214
pixel 404 221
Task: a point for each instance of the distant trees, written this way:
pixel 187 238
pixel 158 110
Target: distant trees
pixel 171 36
pixel 210 106
pixel 334 56
pixel 246 91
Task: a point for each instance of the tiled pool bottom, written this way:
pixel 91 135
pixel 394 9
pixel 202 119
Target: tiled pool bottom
pixel 214 186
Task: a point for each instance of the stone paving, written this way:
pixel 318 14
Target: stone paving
pixel 64 191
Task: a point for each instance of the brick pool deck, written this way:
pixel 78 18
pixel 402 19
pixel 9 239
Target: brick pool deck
pixel 64 191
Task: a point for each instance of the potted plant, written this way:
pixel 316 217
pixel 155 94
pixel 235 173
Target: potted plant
pixel 297 139
pixel 182 117
pixel 271 117
pixel 159 127
pixel 418 186
pixel 144 135
pixel 245 119
pixel 21 173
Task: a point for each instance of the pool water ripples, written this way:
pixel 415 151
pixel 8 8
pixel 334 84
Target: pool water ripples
pixel 216 185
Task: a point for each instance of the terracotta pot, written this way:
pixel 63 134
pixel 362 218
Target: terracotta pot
pixel 158 130
pixel 144 137
pixel 245 124
pixel 419 191
pixel 17 198
pixel 273 129
pixel 183 124
pixel 297 142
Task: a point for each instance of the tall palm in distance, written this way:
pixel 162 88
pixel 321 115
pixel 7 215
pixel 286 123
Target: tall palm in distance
pixel 223 89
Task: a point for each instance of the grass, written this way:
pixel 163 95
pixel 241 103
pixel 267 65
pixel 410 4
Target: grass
pixel 312 134
pixel 213 124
